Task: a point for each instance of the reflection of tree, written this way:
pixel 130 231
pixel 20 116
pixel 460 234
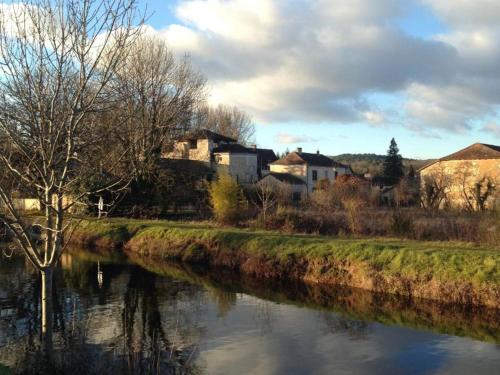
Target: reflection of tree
pixel 225 300
pixel 356 329
pixel 147 346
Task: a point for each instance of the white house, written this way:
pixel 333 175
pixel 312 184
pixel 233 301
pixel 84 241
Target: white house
pixel 310 168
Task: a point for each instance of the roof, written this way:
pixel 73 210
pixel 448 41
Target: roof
pixel 207 134
pixel 316 159
pixel 265 154
pixel 351 179
pixel 477 151
pixel 285 177
pixel 232 148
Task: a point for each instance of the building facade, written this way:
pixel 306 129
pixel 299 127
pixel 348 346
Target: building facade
pixel 311 168
pixel 224 155
pixel 465 176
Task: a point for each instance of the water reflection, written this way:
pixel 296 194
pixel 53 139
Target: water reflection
pixel 141 316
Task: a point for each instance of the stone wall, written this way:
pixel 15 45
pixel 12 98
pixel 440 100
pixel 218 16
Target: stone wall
pixel 459 178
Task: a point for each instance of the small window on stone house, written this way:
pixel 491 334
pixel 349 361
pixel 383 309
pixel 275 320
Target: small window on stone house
pixel 315 175
pixel 193 144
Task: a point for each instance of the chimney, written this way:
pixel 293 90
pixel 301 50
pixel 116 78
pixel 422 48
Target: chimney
pixel 253 147
pixel 299 149
pixel 317 152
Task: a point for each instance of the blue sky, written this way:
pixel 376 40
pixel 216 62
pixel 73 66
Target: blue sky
pixel 347 75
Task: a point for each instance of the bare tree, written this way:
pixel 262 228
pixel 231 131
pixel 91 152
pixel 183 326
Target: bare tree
pixel 57 57
pixel 266 193
pixel 476 190
pixel 433 190
pixel 229 121
pixel 157 96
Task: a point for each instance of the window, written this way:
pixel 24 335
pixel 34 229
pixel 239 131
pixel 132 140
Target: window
pixel 296 196
pixel 193 144
pixel 315 175
pixel 336 174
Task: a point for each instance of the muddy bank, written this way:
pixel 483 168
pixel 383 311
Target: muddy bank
pixel 449 273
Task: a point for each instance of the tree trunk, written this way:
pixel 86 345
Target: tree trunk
pixel 47 314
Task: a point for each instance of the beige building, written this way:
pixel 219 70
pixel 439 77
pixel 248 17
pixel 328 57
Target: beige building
pixel 223 154
pixel 309 168
pixel 465 176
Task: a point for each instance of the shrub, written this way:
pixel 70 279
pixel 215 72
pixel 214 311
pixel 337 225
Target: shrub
pixel 401 224
pixel 226 199
pixel 352 208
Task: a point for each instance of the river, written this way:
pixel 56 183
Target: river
pixel 132 315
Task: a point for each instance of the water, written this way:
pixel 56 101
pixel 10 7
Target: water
pixel 138 316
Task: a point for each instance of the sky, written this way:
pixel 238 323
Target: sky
pixel 345 76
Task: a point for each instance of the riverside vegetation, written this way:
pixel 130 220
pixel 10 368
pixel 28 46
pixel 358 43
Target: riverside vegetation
pixel 454 272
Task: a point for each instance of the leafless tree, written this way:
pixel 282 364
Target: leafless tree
pixel 157 96
pixel 434 188
pixel 57 57
pixel 475 190
pixel 266 193
pixel 229 121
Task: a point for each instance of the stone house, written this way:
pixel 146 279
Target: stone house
pixel 223 154
pixel 310 168
pixel 460 174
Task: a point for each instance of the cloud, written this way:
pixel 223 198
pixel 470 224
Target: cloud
pixel 473 94
pixel 287 139
pixel 492 128
pixel 320 60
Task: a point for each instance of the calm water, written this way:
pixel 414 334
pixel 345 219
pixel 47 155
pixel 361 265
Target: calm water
pixel 115 316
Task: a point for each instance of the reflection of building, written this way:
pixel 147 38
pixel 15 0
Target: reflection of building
pixel 309 168
pixel 460 173
pixel 221 153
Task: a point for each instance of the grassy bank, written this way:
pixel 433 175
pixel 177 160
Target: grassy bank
pixel 446 271
pixel 458 320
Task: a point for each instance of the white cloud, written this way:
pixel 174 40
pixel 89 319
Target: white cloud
pixel 320 60
pixel 492 128
pixel 287 139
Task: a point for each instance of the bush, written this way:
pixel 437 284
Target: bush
pixel 401 224
pixel 227 199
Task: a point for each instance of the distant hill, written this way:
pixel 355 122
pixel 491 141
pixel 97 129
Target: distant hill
pixel 361 163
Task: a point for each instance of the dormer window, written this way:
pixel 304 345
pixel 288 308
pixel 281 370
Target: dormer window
pixel 193 144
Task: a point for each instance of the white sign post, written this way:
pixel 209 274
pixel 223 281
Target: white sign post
pixel 100 207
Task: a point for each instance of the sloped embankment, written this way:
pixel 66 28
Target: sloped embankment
pixel 447 272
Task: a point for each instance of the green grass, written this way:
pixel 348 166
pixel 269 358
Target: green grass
pixel 413 259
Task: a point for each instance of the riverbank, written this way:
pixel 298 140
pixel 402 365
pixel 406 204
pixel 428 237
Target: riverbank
pixel 449 272
pixel 479 323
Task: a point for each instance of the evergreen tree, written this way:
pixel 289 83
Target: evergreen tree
pixel 393 164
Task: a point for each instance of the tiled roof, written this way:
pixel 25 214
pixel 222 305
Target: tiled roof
pixel 317 160
pixel 207 134
pixel 477 151
pixel 286 177
pixel 266 155
pixel 232 148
